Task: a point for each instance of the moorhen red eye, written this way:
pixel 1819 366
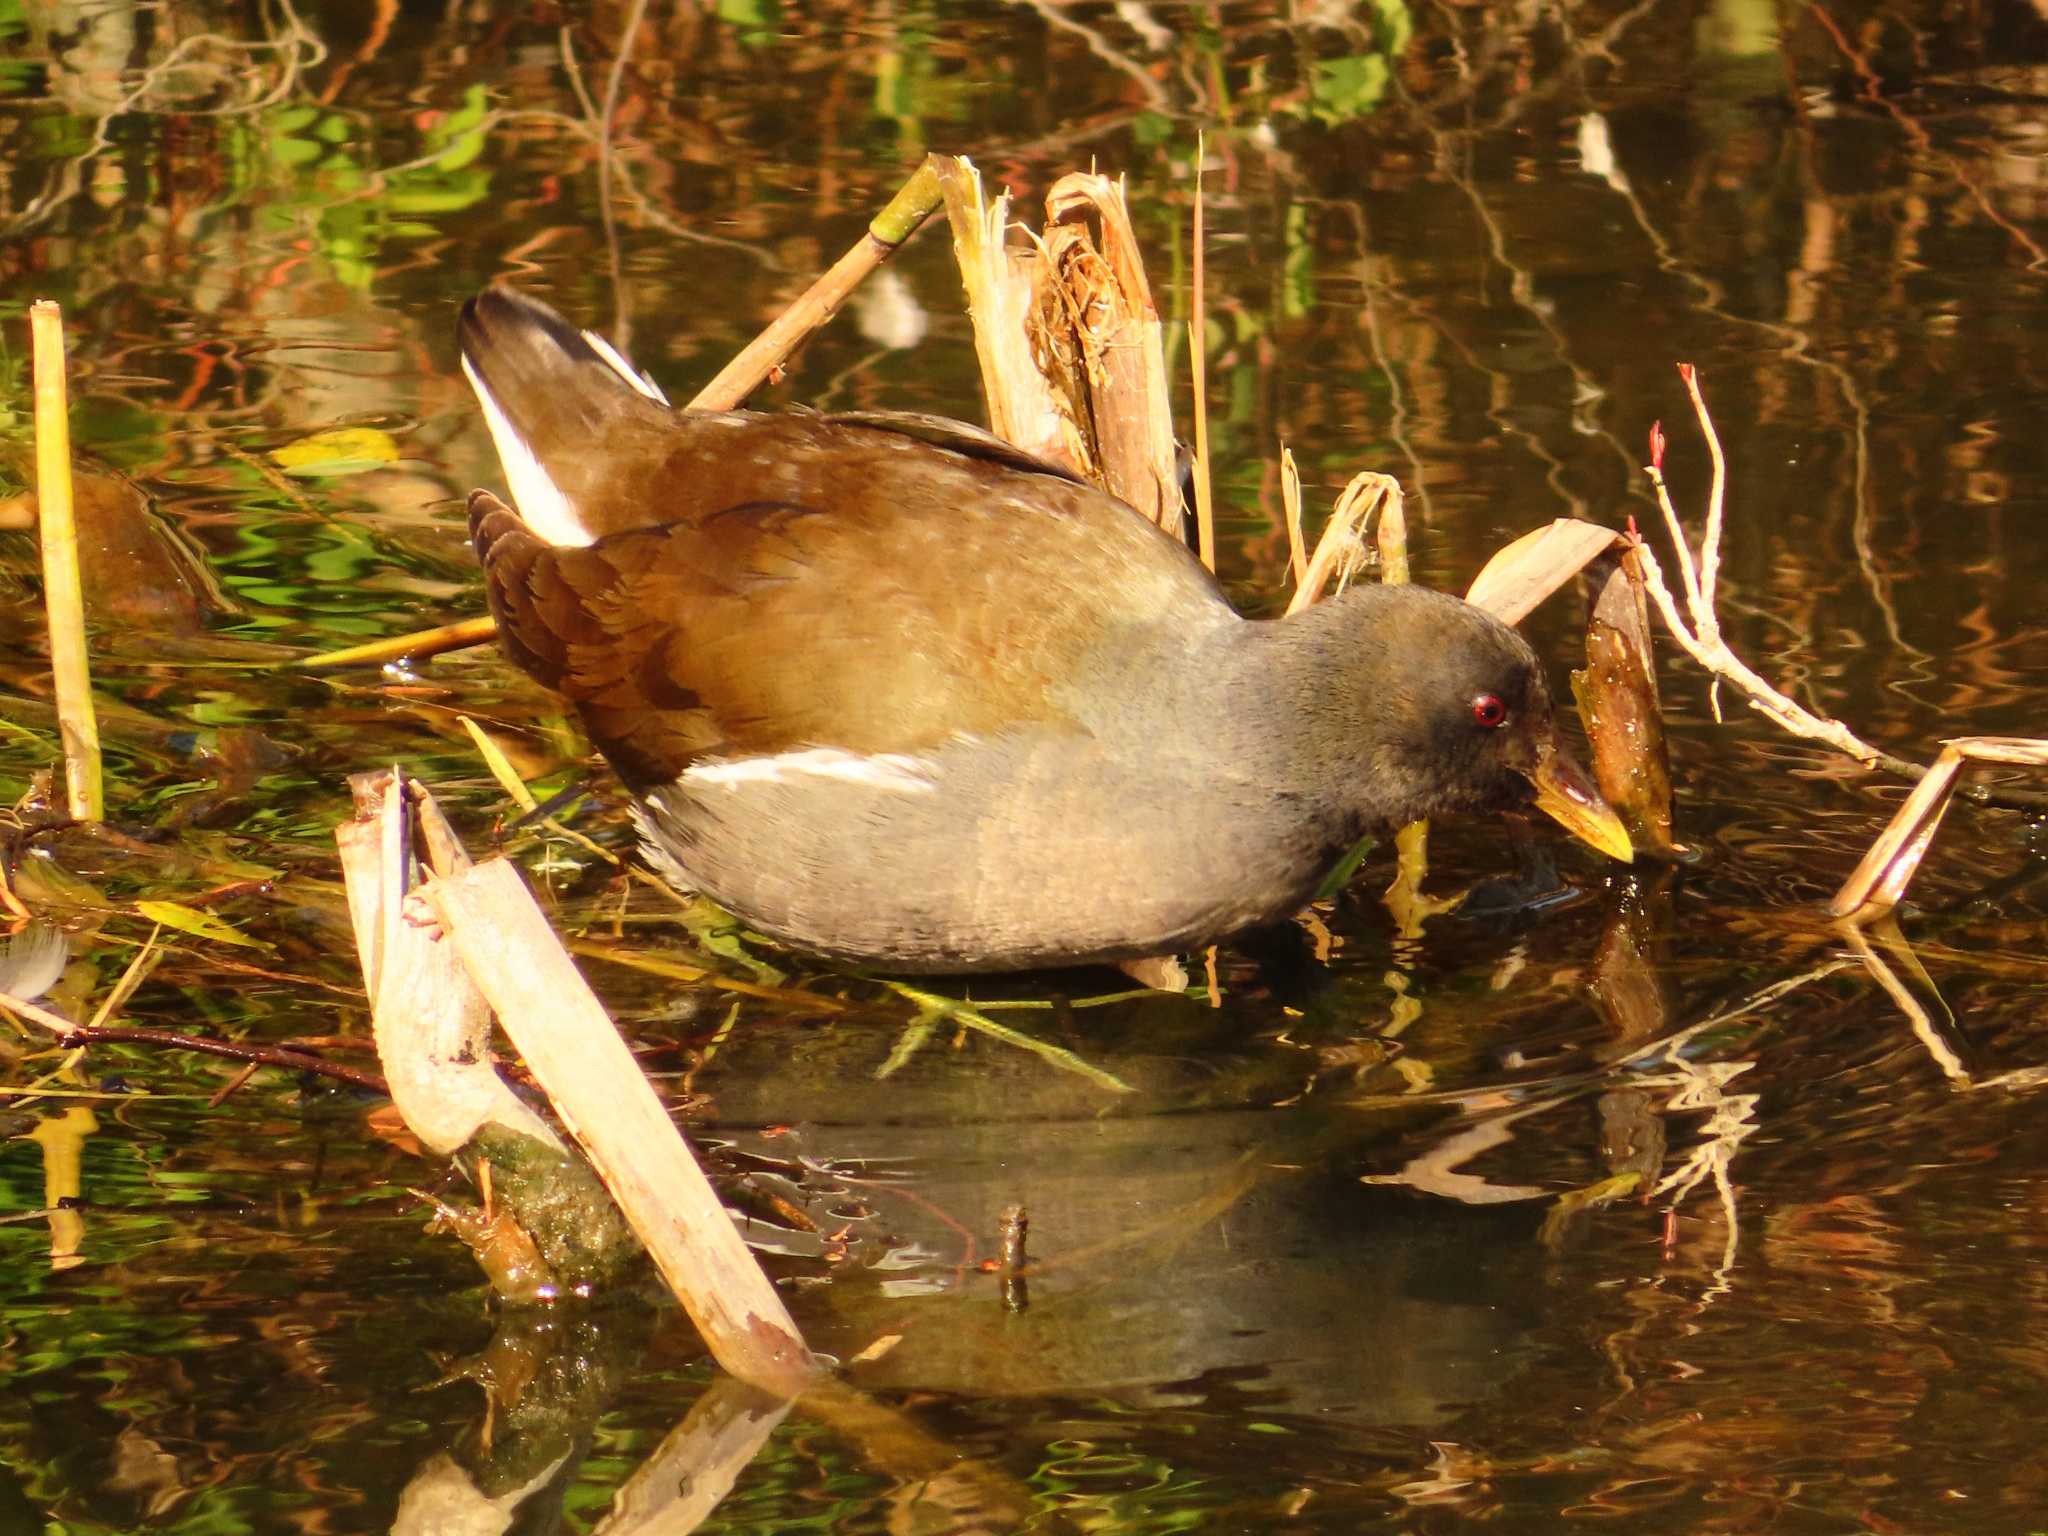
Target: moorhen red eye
pixel 897 693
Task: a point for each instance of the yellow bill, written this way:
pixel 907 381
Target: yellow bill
pixel 1567 796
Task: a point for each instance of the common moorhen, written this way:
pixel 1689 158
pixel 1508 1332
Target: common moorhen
pixel 898 693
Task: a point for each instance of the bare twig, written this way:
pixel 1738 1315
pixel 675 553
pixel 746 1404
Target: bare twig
pixel 1702 640
pixel 69 1033
pixel 232 1050
pixel 1717 495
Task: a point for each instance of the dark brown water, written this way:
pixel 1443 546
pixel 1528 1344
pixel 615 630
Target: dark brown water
pixel 1319 1271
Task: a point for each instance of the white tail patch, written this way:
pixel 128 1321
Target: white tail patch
pixel 879 770
pixel 539 501
pixel 622 365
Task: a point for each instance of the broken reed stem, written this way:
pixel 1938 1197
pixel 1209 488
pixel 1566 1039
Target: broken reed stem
pixel 1023 407
pixel 63 594
pixel 602 1097
pixel 1392 533
pixel 1878 883
pixel 1198 341
pixel 913 203
pixel 1340 551
pixel 1091 339
pixel 56 1023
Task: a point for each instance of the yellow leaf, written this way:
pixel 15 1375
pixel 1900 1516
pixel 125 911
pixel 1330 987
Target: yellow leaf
pixel 501 767
pixel 344 451
pixel 203 925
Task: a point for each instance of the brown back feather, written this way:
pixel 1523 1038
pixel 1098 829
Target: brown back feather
pixel 795 581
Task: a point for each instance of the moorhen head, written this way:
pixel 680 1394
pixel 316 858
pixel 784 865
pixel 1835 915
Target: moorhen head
pixel 900 694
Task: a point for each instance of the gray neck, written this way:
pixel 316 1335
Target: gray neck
pixel 1278 703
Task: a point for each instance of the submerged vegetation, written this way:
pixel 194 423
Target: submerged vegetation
pixel 1514 1194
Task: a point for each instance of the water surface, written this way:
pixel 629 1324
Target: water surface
pixel 1321 1269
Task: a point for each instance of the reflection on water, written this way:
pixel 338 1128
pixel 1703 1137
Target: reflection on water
pixel 1639 1198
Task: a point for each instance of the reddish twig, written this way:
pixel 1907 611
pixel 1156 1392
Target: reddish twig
pixel 260 1055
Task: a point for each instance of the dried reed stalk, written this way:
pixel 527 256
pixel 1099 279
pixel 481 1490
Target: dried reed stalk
pixel 1521 576
pixel 1290 507
pixel 1341 551
pixel 1023 406
pixel 1095 330
pixel 418 645
pixel 63 592
pixel 1879 881
pixel 1198 367
pixel 575 1053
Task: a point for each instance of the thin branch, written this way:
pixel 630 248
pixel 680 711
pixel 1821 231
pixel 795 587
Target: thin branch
pixel 1717 494
pixel 263 1055
pixel 1702 640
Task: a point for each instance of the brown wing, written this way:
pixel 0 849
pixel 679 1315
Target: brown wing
pixel 807 581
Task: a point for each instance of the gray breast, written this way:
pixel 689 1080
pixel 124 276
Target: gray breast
pixel 984 855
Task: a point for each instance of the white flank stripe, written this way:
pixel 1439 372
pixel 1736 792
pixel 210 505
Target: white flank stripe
pixel 541 504
pixel 620 364
pixel 883 770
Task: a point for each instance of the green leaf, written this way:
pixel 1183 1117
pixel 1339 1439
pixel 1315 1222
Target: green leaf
pixel 1341 873
pixel 937 1005
pixel 1349 87
pixel 294 153
pixel 461 132
pixel 914 1035
pixel 464 189
pixel 201 925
